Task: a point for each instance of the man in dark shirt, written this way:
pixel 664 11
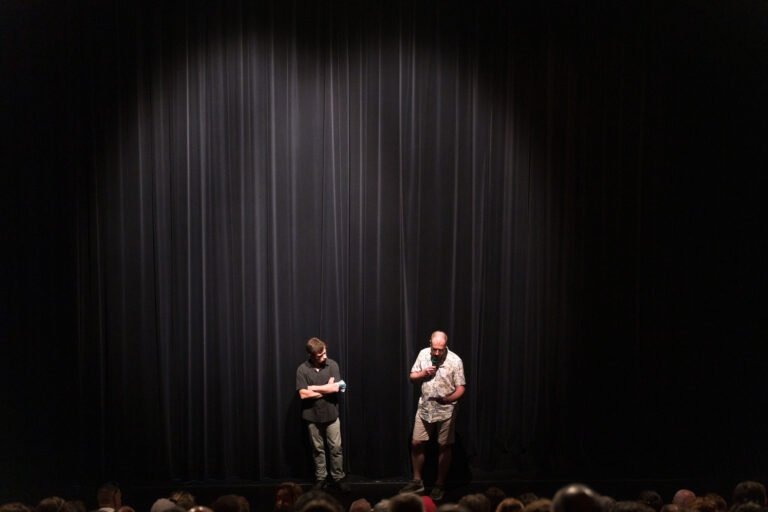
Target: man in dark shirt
pixel 318 383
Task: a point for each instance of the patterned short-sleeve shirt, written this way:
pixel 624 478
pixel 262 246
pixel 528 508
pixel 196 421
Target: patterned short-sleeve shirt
pixel 449 376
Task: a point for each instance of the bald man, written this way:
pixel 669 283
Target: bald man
pixel 441 375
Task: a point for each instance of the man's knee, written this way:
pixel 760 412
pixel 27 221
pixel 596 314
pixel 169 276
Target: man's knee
pixel 417 444
pixel 334 442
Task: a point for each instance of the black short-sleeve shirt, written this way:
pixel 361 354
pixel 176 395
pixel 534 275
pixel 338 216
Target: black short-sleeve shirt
pixel 325 408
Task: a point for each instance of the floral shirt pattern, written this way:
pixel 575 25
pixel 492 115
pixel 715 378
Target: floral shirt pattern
pixel 450 375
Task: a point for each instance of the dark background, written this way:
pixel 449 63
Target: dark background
pixel 575 193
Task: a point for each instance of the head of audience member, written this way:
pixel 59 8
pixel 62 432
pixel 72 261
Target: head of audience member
pixel 683 497
pixel 494 495
pixel 126 508
pixel 540 505
pixel 381 506
pixel 53 504
pixel 652 499
pixel 406 503
pixel 476 502
pixel 226 503
pixel 630 506
pixel 286 495
pixel 109 496
pixel 360 505
pixel 702 504
pixel 15 506
pixel 452 507
pixel 527 498
pixel 165 505
pixel 429 504
pixel 510 505
pixel 243 503
pixel 671 507
pixel 576 498
pixel 183 499
pixel 200 508
pixel 749 506
pixel 718 500
pixel 317 501
pixel 749 492
pixel 606 502
pixel 77 506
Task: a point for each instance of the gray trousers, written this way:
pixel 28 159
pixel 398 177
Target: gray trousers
pixel 319 434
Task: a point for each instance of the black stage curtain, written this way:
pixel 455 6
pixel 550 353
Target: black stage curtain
pixel 216 182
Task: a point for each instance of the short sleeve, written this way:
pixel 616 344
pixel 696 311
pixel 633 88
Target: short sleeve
pixel 301 379
pixel 417 366
pixel 458 376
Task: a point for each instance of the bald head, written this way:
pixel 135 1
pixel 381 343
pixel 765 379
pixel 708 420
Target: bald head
pixel 683 497
pixel 576 498
pixel 438 347
pixel 361 505
pixel 438 335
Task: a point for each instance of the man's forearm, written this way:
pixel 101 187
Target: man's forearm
pixel 324 389
pixel 308 393
pixel 457 393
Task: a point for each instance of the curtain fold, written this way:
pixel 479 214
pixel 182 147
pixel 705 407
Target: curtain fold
pixel 267 177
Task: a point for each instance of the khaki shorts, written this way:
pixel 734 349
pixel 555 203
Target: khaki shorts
pixel 423 430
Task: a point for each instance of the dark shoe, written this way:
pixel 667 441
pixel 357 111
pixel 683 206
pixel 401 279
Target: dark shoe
pixel 437 493
pixel 342 486
pixel 415 486
pixel 319 485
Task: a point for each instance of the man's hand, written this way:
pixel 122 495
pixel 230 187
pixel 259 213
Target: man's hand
pixel 420 375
